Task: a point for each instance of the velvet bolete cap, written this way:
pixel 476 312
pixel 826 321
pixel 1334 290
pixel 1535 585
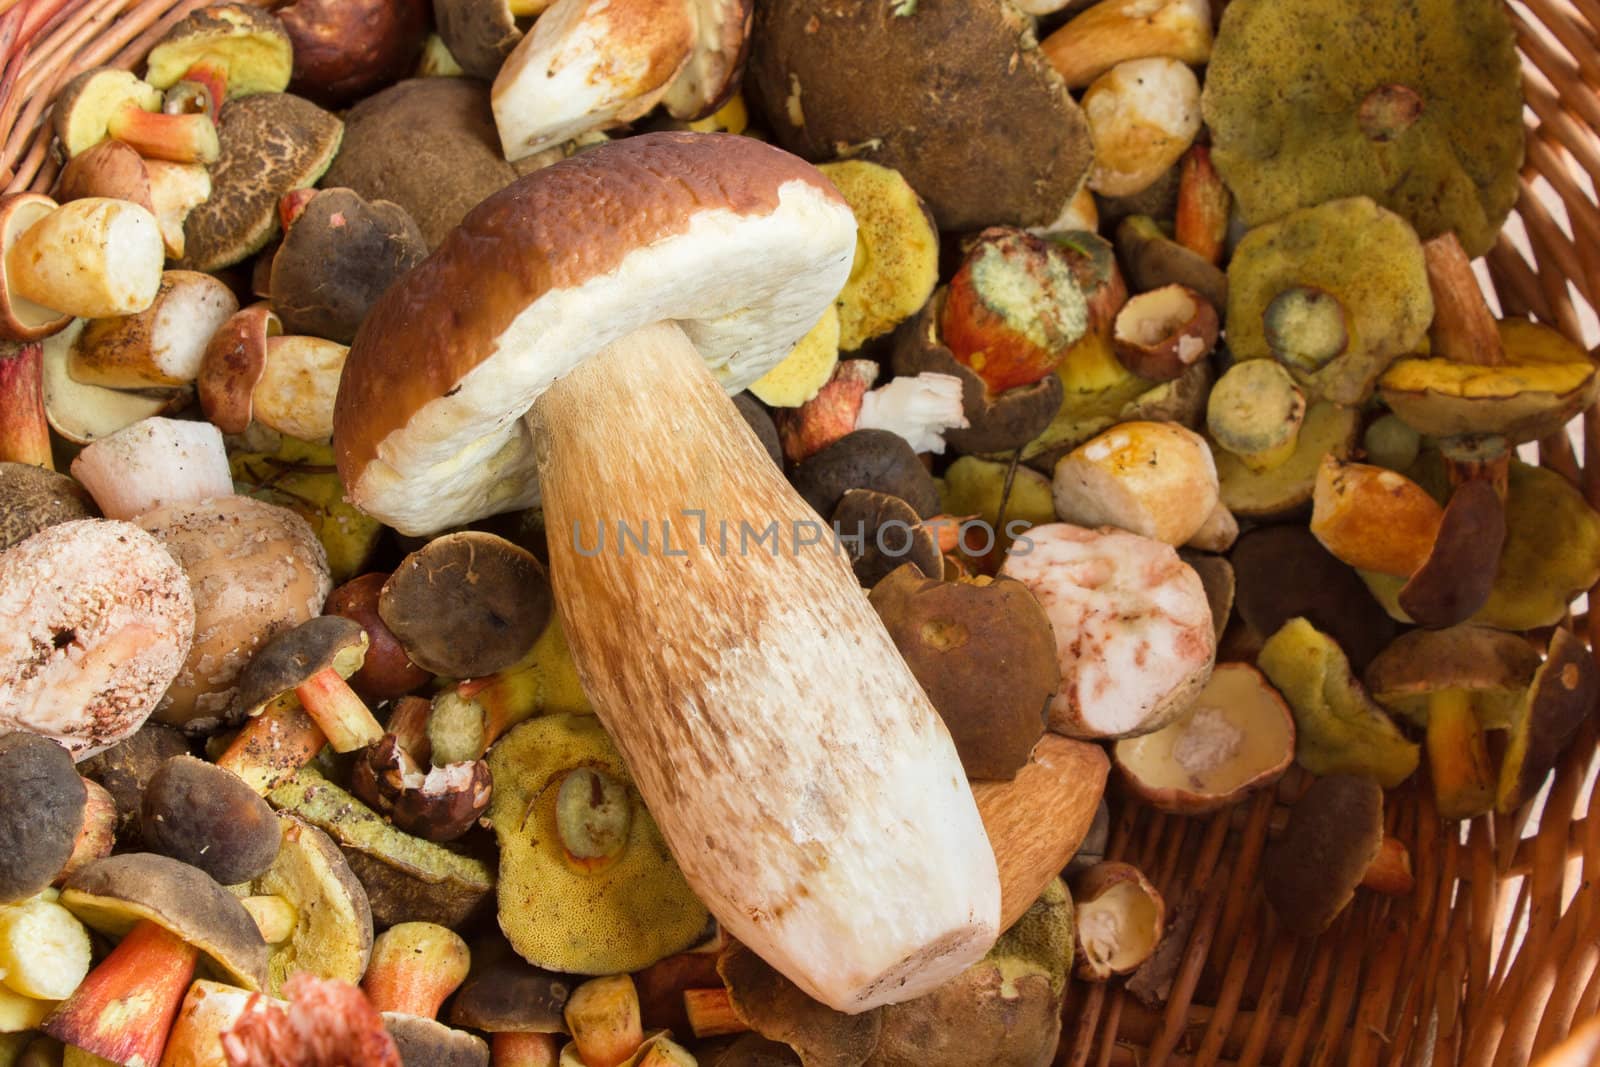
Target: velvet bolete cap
pixel 741 244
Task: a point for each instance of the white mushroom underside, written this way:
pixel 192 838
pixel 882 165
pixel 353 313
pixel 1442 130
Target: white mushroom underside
pixel 98 621
pixel 1131 621
pixel 470 454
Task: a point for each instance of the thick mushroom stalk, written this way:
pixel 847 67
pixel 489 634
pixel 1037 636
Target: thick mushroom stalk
pixel 798 773
pixel 794 765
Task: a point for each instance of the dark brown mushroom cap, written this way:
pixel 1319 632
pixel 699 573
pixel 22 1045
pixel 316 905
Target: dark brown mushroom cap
pixel 505 994
pixel 880 532
pixel 32 498
pixel 110 168
pixel 209 818
pixel 294 656
pixel 41 811
pixel 986 656
pixel 866 459
pixel 479 33
pixel 466 604
pixel 1455 581
pixel 125 769
pixel 429 145
pixel 248 40
pixel 271 143
pixel 954 94
pixel 751 1050
pixel 761 424
pixel 1334 833
pixel 439 804
pixel 337 258
pixel 996 423
pixel 775 1008
pixel 429 1043
pixel 112 895
pixel 1494 665
pixel 1561 697
pixel 344 49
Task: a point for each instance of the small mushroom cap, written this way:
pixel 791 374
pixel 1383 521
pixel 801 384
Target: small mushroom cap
pixel 1120 919
pixel 1453 168
pixel 625 915
pixel 332 935
pixel 32 498
pixel 41 811
pixel 234 361
pixel 1002 144
pixel 480 34
pixel 345 49
pixel 294 656
pixel 427 424
pixel 20 318
pixel 100 620
pixel 429 145
pixel 271 143
pixel 113 894
pixel 879 460
pixel 1558 702
pixel 466 604
pixel 247 41
pixel 125 770
pixel 337 258
pixel 985 654
pixel 1458 576
pixel 1237 736
pixel 775 1008
pixel 207 817
pixel 259 570
pixel 1334 833
pixel 429 1043
pixel 84 106
pixel 505 994
pixel 891 536
pixel 996 423
pixel 110 168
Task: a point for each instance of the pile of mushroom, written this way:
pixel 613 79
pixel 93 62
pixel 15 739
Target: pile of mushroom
pixel 544 578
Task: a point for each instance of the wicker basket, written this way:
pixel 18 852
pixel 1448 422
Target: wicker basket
pixel 1495 959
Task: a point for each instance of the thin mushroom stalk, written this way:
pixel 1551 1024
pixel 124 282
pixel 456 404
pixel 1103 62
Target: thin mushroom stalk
pixel 741 627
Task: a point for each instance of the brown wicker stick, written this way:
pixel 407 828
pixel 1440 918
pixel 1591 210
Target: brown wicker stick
pixel 1329 1050
pixel 1570 982
pixel 1194 956
pixel 1309 1009
pixel 1372 1032
pixel 1431 899
pixel 1547 235
pixel 1247 865
pixel 1261 1028
pixel 1484 899
pixel 1517 282
pixel 1241 954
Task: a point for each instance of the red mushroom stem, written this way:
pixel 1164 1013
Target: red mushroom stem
pixel 525 1050
pixel 125 1008
pixel 1203 206
pixel 341 714
pixel 272 746
pixel 24 433
pixel 209 80
pixel 415 967
pixel 174 138
pixel 293 204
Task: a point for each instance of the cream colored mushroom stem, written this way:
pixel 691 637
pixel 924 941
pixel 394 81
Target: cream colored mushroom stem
pixel 804 783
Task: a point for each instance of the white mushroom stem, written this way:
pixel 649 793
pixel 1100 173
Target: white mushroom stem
pixel 805 785
pixel 153 463
pixel 92 258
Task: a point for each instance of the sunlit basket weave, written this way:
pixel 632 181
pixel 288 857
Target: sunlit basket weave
pixel 1495 959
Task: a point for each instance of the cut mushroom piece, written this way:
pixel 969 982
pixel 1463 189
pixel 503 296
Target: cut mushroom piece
pixel 1143 115
pixel 105 102
pixel 584 67
pixel 85 413
pixel 331 932
pixel 1374 519
pixel 1237 736
pixel 233 362
pixel 167 190
pixel 1558 702
pixel 466 604
pixel 226 50
pixel 154 463
pixel 1255 412
pixel 1132 627
pixel 100 621
pixel 711 74
pixel 1114 31
pixel 95 257
pixel 1161 333
pixel 1120 919
pixel 295 392
pixel 160 347
pixel 1155 479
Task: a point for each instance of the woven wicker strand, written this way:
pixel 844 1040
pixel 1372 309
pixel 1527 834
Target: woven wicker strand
pixel 1494 960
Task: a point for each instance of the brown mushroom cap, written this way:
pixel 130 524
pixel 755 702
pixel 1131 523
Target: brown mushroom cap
pixel 890 535
pixel 207 817
pixel 292 657
pixel 466 604
pixel 879 460
pixel 235 360
pixel 1311 872
pixel 258 570
pixel 32 498
pixel 775 1008
pixel 272 143
pixel 248 41
pixel 712 73
pixel 1495 666
pixel 479 33
pixel 427 1041
pixel 505 994
pixel 1558 702
pixel 125 769
pixel 110 168
pixel 337 258
pixel 429 145
pixel 345 49
pixel 1458 576
pixel 41 810
pixel 113 894
pixel 99 622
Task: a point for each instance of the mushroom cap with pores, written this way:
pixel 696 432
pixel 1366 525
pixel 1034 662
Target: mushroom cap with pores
pixel 99 620
pixel 741 244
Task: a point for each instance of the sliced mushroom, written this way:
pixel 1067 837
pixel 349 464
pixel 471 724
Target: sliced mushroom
pixel 154 463
pixel 1237 736
pixel 167 190
pixel 104 102
pixel 159 347
pixel 95 257
pixel 1120 917
pixel 84 413
pixel 295 392
pixel 228 49
pixel 1161 333
pixel 1155 479
pixel 331 934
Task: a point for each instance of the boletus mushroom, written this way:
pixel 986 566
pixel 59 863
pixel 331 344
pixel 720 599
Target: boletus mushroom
pixel 160 347
pixel 43 811
pixel 345 49
pixel 223 51
pixel 104 102
pixel 198 813
pixel 100 622
pixel 94 257
pixel 167 190
pixel 32 498
pixel 424 452
pixel 1120 917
